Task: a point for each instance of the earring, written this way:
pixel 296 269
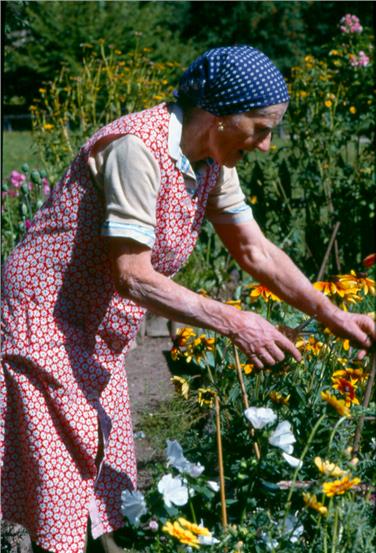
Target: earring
pixel 221 127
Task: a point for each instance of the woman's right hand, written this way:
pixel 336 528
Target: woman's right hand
pixel 261 341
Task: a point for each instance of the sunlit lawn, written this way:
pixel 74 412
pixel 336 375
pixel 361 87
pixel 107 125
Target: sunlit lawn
pixel 18 148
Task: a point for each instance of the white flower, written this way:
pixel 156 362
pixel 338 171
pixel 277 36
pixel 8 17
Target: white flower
pixel 213 485
pixel 271 544
pixel 173 490
pixel 292 461
pixel 260 416
pixel 207 540
pixel 291 528
pixel 283 437
pixel 177 460
pixel 133 506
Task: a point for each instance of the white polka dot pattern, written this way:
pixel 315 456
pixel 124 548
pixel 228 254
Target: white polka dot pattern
pixel 232 80
pixel 66 333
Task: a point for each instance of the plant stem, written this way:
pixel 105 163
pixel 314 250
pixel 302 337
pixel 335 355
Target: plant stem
pixel 220 462
pixel 367 396
pixel 245 398
pixel 309 441
pixel 335 530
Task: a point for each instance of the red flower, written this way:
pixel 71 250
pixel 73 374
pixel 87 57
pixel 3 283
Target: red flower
pixel 369 260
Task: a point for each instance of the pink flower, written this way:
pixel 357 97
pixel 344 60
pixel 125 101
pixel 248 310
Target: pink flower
pixel 350 24
pixel 360 60
pixel 27 224
pixel 16 179
pixel 46 187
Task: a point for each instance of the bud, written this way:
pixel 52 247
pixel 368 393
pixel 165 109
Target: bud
pixel 35 177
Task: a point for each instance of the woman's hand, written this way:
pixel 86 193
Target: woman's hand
pixel 261 341
pixel 359 329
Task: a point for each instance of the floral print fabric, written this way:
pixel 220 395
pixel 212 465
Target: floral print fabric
pixel 66 332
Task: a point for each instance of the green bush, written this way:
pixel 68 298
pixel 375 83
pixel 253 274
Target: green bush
pixel 323 173
pixel 110 84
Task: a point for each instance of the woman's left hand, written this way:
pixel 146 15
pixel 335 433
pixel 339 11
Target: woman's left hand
pixel 359 329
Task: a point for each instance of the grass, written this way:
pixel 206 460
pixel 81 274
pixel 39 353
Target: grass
pixel 19 148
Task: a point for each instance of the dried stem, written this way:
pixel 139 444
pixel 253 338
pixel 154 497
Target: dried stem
pixel 220 461
pixel 239 372
pixel 328 250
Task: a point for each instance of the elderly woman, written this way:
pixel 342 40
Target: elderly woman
pixel 123 219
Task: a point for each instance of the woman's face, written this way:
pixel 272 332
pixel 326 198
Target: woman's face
pixel 243 133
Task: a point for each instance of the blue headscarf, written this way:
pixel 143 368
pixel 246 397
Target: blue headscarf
pixel 231 80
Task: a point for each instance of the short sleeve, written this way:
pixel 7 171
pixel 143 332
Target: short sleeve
pixel 130 177
pixel 226 201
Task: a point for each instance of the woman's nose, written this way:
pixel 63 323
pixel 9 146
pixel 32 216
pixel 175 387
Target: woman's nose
pixel 264 144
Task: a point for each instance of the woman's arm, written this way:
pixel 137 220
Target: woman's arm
pixel 136 279
pixel 273 268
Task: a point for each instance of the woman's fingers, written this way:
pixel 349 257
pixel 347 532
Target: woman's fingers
pixel 286 345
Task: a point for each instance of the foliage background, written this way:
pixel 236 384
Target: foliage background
pixel 40 37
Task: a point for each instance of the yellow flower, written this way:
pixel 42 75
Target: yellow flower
pixel 183 335
pixel 42 90
pixel 247 368
pixel 352 109
pixel 252 200
pixel 328 468
pixel 310 346
pixel 181 386
pixel 48 126
pixel 334 53
pixel 235 303
pixel 118 52
pixel 33 108
pixel 276 397
pixel 178 532
pixel 311 501
pixel 328 103
pixel 303 93
pixel 338 404
pixel 339 487
pixel 199 530
pixel 196 349
pixel 206 397
pixel 309 59
pixel 264 292
pixel 340 285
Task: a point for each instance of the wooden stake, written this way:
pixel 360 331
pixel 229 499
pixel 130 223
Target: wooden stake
pixel 245 398
pixel 328 250
pixel 367 397
pixel 220 461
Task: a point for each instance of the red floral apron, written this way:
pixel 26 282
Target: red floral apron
pixel 66 332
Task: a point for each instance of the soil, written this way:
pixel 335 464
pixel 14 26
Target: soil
pixel 149 383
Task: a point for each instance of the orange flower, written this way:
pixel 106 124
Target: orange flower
pixel 338 404
pixel 360 281
pixel 264 292
pixel 355 375
pixel 339 487
pixel 346 388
